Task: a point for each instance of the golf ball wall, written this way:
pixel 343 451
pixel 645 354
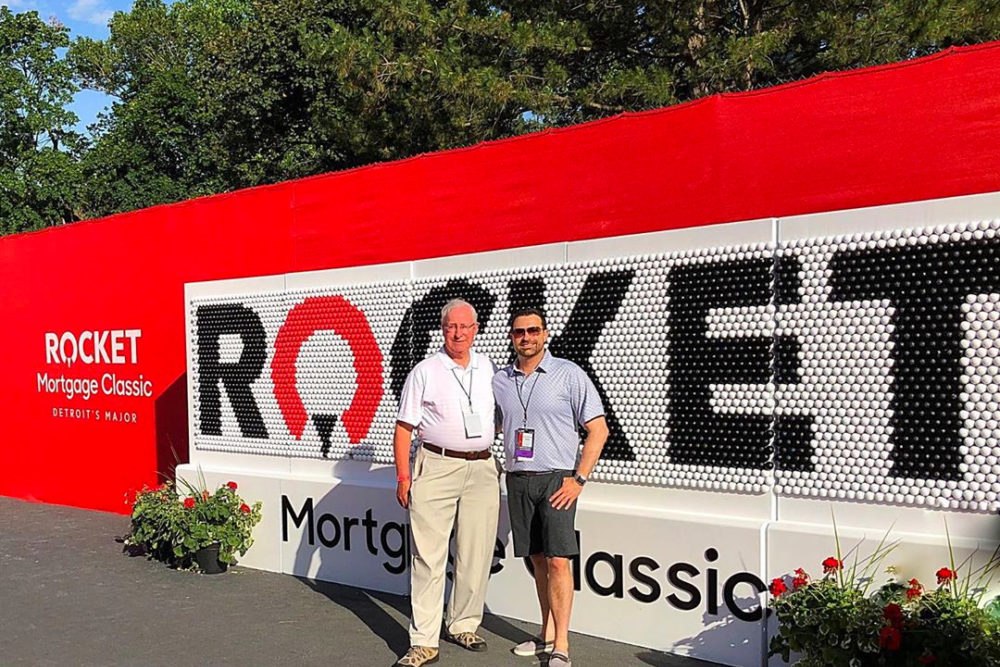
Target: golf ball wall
pixel 897 371
pixel 317 387
pixel 858 368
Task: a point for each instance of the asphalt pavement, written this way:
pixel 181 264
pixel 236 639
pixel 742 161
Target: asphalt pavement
pixel 70 596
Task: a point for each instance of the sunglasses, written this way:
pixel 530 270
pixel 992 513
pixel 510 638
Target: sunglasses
pixel 529 331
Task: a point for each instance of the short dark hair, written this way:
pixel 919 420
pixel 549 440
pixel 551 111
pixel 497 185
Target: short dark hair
pixel 526 312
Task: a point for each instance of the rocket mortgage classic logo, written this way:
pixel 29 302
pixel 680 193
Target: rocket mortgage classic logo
pixel 81 366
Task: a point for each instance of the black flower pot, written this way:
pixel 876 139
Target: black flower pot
pixel 208 560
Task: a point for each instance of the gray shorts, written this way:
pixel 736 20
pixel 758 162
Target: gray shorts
pixel 538 527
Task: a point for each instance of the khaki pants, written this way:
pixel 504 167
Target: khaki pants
pixel 450 492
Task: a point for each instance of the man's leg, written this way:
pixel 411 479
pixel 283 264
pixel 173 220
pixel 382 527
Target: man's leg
pixel 433 503
pixel 525 526
pixel 560 597
pixel 475 538
pixel 541 567
pixel 560 547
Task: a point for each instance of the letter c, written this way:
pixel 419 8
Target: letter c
pixel 86 335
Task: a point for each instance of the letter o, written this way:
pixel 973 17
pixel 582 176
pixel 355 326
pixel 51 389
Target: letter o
pixel 68 337
pixel 332 520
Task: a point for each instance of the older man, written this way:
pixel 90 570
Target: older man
pixel 544 400
pixel 448 399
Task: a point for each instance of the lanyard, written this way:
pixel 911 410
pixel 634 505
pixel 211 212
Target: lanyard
pixel 468 394
pixel 525 404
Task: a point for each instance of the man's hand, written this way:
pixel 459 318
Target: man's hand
pixel 567 494
pixel 403 493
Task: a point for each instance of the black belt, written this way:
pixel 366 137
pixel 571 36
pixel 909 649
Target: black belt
pixel 535 473
pixel 456 454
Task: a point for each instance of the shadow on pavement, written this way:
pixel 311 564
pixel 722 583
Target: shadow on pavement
pixel 362 604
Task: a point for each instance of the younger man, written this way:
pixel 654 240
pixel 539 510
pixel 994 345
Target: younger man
pixel 543 400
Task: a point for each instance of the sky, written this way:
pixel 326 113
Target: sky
pixel 84 18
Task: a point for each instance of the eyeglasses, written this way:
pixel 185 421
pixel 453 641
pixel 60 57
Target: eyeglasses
pixel 530 331
pixel 452 328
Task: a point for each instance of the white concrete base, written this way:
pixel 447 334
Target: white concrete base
pixel 654 577
pixel 660 568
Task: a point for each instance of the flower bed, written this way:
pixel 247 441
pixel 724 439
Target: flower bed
pixel 834 621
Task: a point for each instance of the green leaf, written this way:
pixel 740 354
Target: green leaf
pixel 993 609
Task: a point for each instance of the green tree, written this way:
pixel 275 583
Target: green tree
pixel 156 142
pixel 749 44
pixel 634 54
pixel 39 172
pixel 214 95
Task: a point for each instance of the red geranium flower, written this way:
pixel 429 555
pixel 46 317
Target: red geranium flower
pixel 927 659
pixel 944 575
pixel 800 580
pixel 778 587
pixel 831 565
pixel 245 508
pixel 189 503
pixel 915 590
pixel 894 614
pixel 231 485
pixel 890 639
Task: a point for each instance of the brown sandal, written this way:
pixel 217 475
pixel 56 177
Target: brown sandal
pixel 417 656
pixel 469 641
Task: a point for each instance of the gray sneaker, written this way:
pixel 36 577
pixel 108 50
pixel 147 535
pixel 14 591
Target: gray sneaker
pixel 559 659
pixel 533 647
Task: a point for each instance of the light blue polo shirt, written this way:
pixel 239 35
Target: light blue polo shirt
pixel 561 398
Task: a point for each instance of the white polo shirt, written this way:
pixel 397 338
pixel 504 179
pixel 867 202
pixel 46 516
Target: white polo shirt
pixel 435 392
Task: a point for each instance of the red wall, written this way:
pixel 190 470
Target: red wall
pixel 920 130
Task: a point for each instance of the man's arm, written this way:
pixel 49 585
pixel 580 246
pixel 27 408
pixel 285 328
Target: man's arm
pixel 401 453
pixel 597 435
pixel 408 416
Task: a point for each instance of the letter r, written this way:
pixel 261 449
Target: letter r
pixel 51 348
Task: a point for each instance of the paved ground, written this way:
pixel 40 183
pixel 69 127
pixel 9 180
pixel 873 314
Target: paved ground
pixel 69 596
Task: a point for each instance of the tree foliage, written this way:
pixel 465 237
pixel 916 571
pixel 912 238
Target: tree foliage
pixel 214 95
pixel 39 170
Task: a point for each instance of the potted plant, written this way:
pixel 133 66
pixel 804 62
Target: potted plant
pixel 834 621
pixel 196 527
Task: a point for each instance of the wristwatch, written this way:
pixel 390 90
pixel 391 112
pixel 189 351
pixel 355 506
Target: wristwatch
pixel 580 479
